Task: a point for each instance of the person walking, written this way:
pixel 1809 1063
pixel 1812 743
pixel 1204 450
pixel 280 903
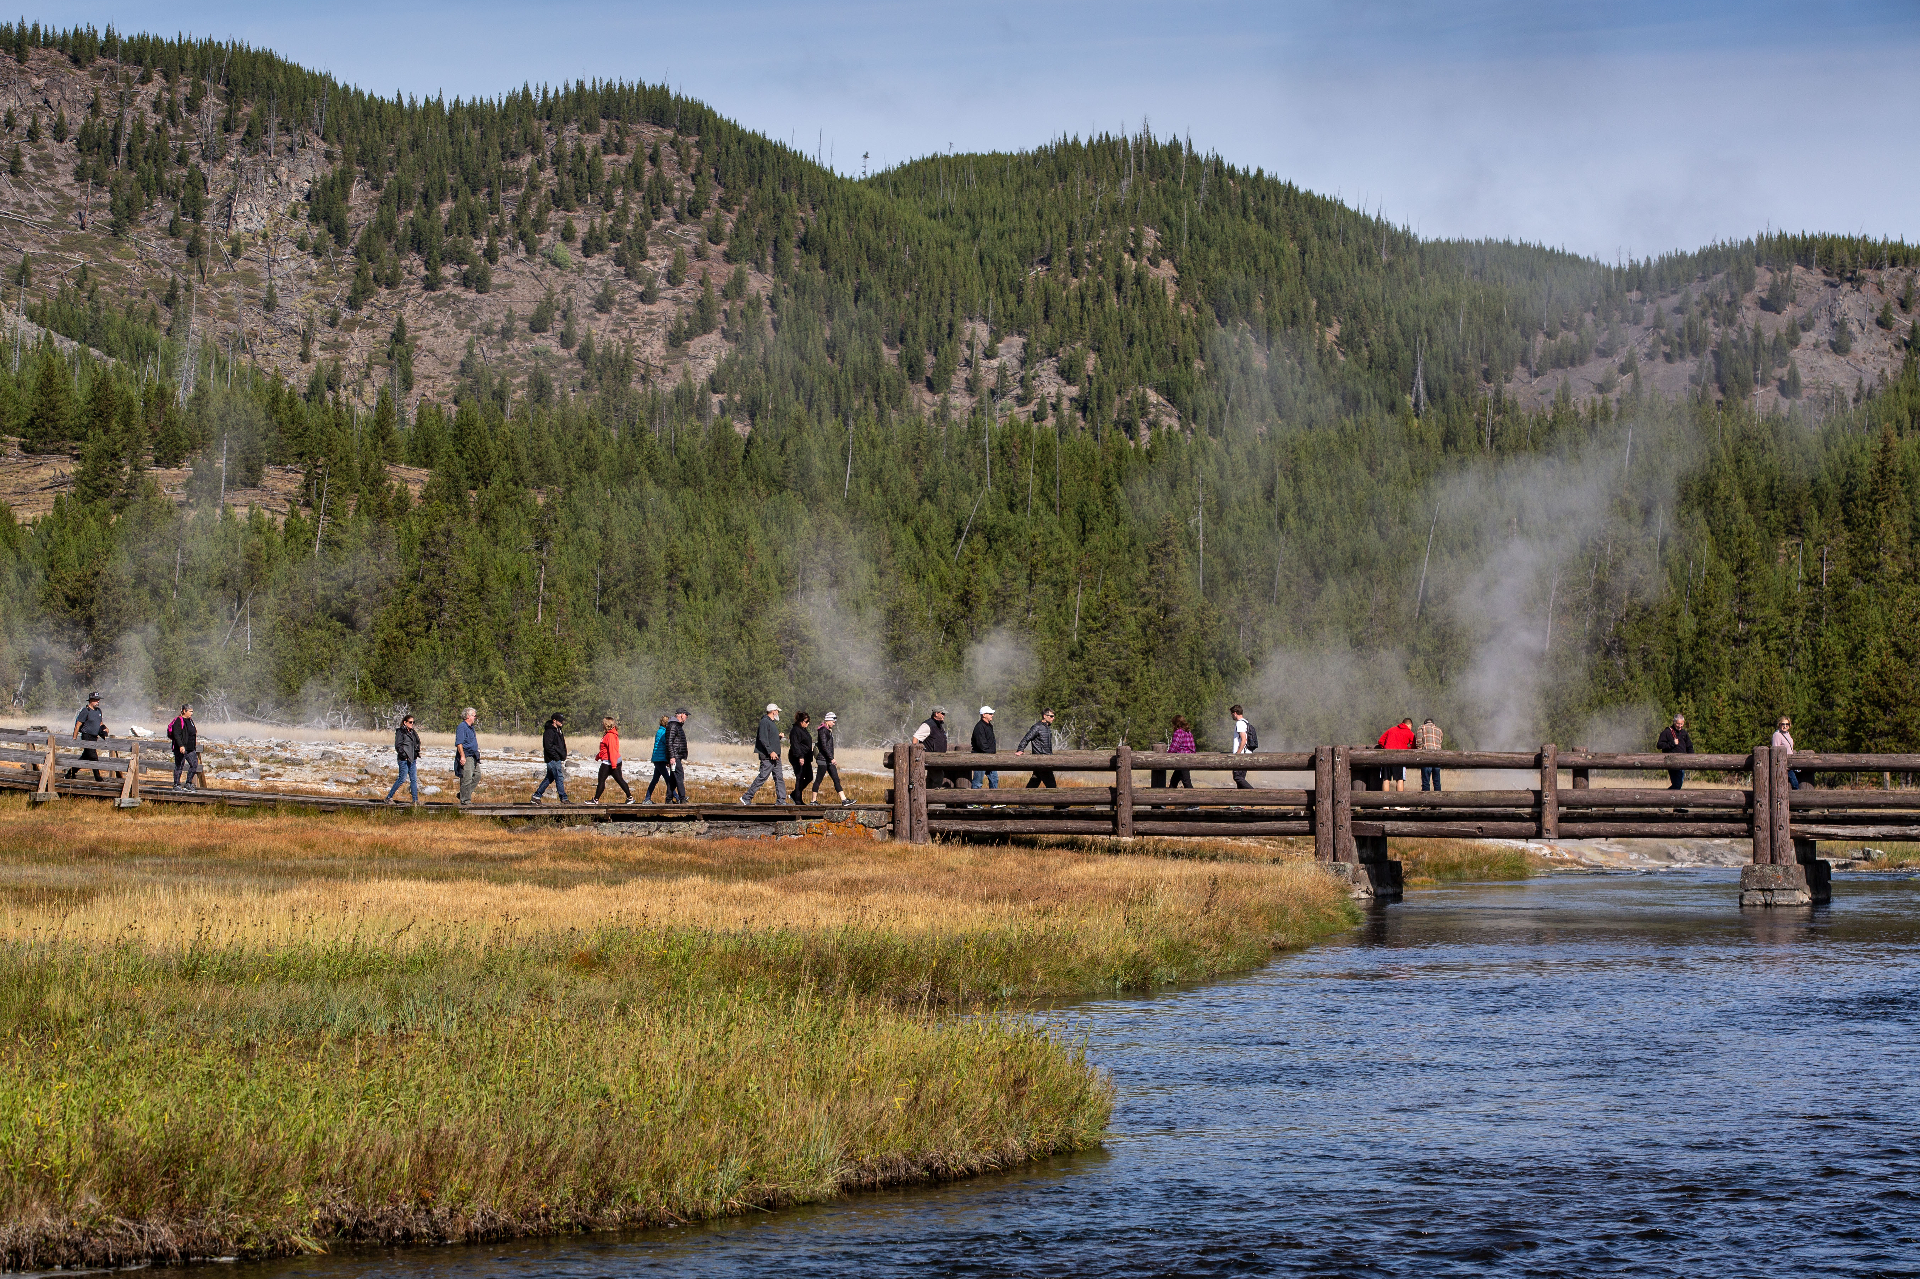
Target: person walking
pixel 676 758
pixel 766 746
pixel 823 748
pixel 406 754
pixel 662 762
pixel 609 757
pixel 1181 743
pixel 1038 740
pixel 1783 745
pixel 1398 738
pixel 186 746
pixel 1428 737
pixel 466 754
pixel 1245 742
pixel 90 725
pixel 800 755
pixel 933 735
pixel 985 743
pixel 1674 740
pixel 553 749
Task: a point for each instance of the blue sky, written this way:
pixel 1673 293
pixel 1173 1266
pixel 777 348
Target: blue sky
pixel 1627 128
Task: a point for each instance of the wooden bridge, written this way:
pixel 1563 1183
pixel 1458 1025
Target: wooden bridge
pixel 1342 806
pixel 1350 817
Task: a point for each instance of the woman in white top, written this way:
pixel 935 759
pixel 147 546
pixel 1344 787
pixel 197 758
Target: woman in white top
pixel 1783 741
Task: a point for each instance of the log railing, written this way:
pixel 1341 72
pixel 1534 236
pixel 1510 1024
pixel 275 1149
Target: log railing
pixel 1335 794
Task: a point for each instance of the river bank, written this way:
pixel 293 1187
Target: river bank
pixel 225 1034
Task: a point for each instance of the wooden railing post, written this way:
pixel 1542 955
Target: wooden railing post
pixel 1549 791
pixel 1123 792
pixel 1779 814
pixel 1323 842
pixel 1580 775
pixel 917 794
pixel 1762 805
pixel 48 771
pixel 1344 849
pixel 901 813
pixel 130 780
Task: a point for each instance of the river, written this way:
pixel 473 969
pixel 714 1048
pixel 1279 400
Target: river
pixel 1591 1075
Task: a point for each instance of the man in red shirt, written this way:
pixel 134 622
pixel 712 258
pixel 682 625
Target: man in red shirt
pixel 1397 738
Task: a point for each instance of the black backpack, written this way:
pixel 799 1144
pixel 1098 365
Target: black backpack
pixel 1253 737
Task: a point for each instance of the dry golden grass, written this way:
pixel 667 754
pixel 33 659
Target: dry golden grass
pixel 255 1032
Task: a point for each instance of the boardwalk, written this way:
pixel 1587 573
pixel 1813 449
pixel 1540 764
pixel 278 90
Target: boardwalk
pixel 1338 802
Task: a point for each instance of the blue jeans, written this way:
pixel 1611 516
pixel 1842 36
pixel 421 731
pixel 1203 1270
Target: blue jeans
pixel 556 777
pixel 1793 778
pixel 410 774
pixel 1429 778
pixel 992 776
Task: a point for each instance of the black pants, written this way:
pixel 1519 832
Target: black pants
pixel 1676 779
pixel 619 779
pixel 1042 777
pixel 88 753
pixel 802 773
pixel 828 767
pixel 676 781
pixel 1182 777
pixel 1240 781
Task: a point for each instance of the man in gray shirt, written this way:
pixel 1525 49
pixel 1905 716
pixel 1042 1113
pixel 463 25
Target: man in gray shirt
pixel 89 725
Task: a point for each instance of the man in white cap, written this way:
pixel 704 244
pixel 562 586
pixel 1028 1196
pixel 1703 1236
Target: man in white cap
pixel 984 744
pixel 823 758
pixel 766 745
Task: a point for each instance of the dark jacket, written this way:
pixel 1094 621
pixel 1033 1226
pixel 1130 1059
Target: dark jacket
pixel 406 742
pixel 676 739
pixel 553 743
pixel 91 723
pixel 766 739
pixel 184 736
pixel 823 743
pixel 799 745
pixel 1038 741
pixel 936 736
pixel 1675 741
pixel 983 739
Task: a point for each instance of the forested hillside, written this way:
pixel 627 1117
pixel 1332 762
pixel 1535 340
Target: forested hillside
pixel 1111 425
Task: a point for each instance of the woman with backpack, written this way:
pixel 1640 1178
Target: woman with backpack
pixel 609 757
pixel 800 755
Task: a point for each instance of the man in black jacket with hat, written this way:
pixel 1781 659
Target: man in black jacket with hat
pixel 90 726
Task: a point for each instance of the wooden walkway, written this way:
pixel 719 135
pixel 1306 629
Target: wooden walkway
pixel 1342 806
pixel 1350 817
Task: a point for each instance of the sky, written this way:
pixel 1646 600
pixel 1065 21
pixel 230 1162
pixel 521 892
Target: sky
pixel 1615 130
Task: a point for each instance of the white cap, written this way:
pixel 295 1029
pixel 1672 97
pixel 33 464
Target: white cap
pixel 986 710
pixel 829 715
pixel 772 706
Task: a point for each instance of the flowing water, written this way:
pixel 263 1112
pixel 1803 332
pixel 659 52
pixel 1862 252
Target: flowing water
pixel 1611 1075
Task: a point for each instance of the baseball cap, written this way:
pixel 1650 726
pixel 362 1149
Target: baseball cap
pixel 829 715
pixel 773 706
pixel 986 710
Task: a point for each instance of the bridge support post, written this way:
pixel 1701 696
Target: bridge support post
pixel 917 794
pixel 1123 792
pixel 1360 860
pixel 1550 792
pixel 1786 869
pixel 902 814
pixel 1324 850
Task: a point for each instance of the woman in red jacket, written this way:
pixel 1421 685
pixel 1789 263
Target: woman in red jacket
pixel 609 757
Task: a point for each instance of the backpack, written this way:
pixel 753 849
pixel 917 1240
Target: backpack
pixel 1253 737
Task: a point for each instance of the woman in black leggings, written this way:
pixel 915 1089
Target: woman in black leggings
pixel 823 760
pixel 800 755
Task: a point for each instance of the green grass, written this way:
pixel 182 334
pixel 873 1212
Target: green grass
pixel 1436 861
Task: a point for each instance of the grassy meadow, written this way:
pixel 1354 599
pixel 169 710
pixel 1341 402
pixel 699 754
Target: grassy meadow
pixel 229 1033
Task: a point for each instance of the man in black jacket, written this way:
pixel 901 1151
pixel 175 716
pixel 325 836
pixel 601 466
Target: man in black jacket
pixel 677 757
pixel 766 746
pixel 406 754
pixel 553 749
pixel 985 744
pixel 933 735
pixel 1674 741
pixel 1039 741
